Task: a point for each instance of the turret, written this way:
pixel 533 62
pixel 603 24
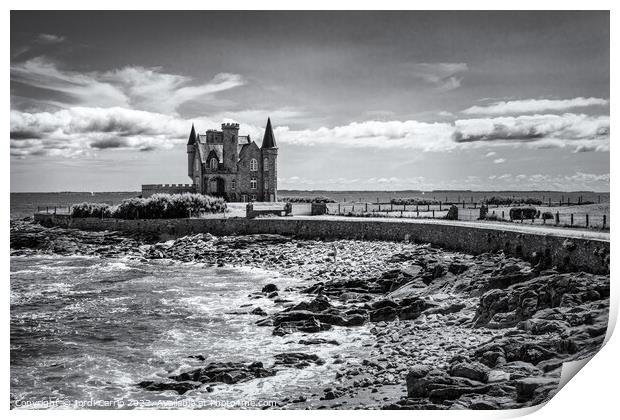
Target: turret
pixel 230 134
pixel 269 164
pixel 191 153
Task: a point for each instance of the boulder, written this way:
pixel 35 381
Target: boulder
pixel 472 370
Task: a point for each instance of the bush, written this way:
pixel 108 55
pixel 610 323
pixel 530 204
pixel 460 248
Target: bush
pixel 547 215
pixel 98 210
pixel 158 206
pixel 507 201
pixel 492 217
pixel 413 201
pixel 518 213
pixel 317 199
pixel 453 213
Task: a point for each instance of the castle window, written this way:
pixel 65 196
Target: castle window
pixel 253 197
pixel 213 186
pixel 266 185
pixel 253 165
pixel 265 164
pixel 233 184
pixel 213 163
pixel 253 184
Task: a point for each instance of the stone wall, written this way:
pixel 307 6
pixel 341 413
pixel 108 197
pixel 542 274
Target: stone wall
pixel 567 253
pixel 150 189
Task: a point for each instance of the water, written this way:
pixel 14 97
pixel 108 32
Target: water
pixel 87 328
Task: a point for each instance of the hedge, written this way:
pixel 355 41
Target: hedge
pixel 158 206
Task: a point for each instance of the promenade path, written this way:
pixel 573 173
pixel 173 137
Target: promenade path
pixel 507 226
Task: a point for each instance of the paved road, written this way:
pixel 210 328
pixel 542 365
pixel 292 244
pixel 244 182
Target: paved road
pixel 514 227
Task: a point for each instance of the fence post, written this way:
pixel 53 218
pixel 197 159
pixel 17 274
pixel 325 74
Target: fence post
pixel 428 207
pixel 521 217
pixel 549 201
pixel 440 206
pixel 417 213
pixel 463 203
pixel 587 220
pixel 502 214
pixel 599 199
pixel 391 206
pixel 401 213
pixel 366 208
pixel 571 219
pixel 557 218
pixel 604 220
pixel 433 214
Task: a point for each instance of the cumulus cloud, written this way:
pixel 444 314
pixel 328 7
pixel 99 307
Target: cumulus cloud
pixel 142 88
pixel 444 76
pixel 528 128
pixel 498 161
pixel 528 106
pixel 78 129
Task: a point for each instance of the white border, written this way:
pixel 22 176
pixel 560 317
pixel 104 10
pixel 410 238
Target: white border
pixel 591 395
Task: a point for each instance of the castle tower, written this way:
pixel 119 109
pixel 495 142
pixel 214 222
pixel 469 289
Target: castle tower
pixel 269 165
pixel 191 152
pixel 230 134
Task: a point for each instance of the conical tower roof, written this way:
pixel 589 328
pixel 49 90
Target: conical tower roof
pixel 192 136
pixel 269 140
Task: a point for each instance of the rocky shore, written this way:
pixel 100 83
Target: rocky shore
pixel 452 331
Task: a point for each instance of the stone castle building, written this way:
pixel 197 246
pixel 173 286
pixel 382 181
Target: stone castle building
pixel 224 164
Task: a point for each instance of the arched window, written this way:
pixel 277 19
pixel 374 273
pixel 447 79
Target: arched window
pixel 233 184
pixel 253 184
pixel 265 164
pixel 213 186
pixel 213 163
pixel 253 165
pixel 266 185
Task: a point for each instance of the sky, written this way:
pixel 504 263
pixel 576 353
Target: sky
pixel 415 100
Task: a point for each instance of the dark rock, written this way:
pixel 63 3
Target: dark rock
pixel 472 370
pixel 269 288
pixel 229 373
pixel 258 311
pixel 180 387
pixel 387 313
pixel 297 359
pixel 526 387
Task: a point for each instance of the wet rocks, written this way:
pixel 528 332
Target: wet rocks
pixel 297 359
pixel 269 288
pixel 180 387
pixel 226 372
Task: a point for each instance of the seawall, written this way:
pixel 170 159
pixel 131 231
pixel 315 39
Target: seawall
pixel 565 251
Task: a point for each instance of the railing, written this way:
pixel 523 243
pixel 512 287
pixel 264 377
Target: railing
pixel 561 215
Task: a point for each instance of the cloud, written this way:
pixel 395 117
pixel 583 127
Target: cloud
pixel 528 106
pixel 141 88
pixel 444 76
pixel 50 39
pixel 375 134
pixel 498 161
pixel 528 128
pixel 82 129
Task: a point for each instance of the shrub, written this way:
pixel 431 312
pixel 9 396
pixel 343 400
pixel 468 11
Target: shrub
pixel 493 217
pixel 317 199
pixel 518 213
pixel 507 201
pixel 453 213
pixel 413 201
pixel 158 206
pixel 91 210
pixel 483 212
pixel 547 215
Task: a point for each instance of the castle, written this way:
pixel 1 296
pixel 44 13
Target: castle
pixel 225 164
